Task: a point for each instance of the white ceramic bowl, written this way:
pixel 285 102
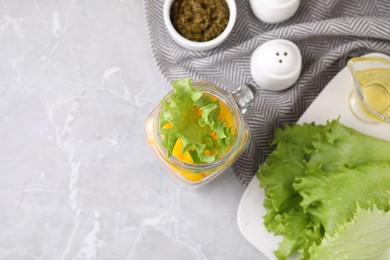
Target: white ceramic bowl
pixel 200 46
pixel 274 11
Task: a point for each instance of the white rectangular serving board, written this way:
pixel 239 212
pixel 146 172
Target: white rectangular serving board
pixel 331 103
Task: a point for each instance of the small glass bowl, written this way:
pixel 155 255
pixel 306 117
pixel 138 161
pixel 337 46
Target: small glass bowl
pixel 370 100
pixel 196 175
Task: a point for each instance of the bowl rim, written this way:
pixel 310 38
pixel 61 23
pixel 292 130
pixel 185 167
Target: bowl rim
pixel 277 6
pixel 200 45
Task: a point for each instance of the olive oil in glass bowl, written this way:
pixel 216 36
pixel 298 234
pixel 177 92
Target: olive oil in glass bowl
pixel 370 100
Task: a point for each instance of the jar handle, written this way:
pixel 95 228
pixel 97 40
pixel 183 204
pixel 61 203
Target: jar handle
pixel 244 95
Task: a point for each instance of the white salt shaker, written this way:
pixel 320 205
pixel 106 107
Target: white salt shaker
pixel 276 65
pixel 274 11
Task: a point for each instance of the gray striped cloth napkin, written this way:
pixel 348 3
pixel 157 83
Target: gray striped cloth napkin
pixel 328 33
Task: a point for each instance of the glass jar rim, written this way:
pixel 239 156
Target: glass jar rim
pixel 239 125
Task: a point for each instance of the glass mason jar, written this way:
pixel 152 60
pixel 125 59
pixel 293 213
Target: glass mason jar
pixel 195 175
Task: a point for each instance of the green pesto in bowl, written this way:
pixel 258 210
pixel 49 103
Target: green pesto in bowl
pixel 199 20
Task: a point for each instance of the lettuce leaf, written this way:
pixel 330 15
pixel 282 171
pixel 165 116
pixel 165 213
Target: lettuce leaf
pixel 339 146
pixel 284 214
pixel 366 236
pixel 192 116
pixel 286 162
pixel 331 198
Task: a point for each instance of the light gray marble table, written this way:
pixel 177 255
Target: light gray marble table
pixel 78 181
